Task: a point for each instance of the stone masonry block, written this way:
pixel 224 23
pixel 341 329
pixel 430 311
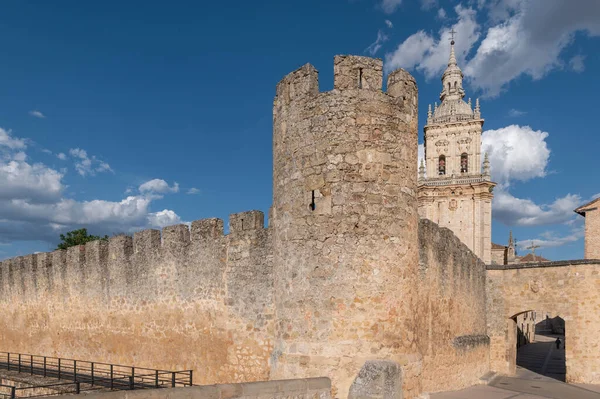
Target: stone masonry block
pixel 377 379
pixel 245 221
pixel 301 83
pixel 354 72
pixel 207 229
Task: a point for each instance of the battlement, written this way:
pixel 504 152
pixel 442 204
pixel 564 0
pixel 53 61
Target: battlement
pixel 102 269
pixel 350 73
pixel 354 72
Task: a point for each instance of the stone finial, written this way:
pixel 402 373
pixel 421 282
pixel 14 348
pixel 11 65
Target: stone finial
pixel 429 111
pixel 422 170
pixel 435 105
pixel 470 102
pixel 486 165
pixel 477 109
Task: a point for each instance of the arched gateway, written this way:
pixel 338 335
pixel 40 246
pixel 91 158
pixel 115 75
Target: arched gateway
pixel 570 289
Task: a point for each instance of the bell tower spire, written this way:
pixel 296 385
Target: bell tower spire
pixel 454 190
pixel 452 79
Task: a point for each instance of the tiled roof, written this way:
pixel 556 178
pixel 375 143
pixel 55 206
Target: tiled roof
pixel 497 246
pixel 532 258
pixel 584 208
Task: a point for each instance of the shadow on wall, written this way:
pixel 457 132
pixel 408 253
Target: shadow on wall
pixel 554 325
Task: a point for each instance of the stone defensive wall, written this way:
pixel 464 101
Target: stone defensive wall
pixel 569 289
pixel 345 283
pixel 451 311
pixel 191 298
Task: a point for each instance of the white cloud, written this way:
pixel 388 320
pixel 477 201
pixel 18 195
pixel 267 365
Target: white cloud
pixel 193 190
pixel 517 42
pixel 550 239
pixel 86 165
pixel 521 42
pixel 158 186
pixel 514 113
pixel 33 206
pixel 516 153
pixel 577 63
pixel 389 23
pixel 23 181
pixel 389 6
pixel 428 4
pixel 441 14
pixel 514 211
pixel 61 156
pixel 423 52
pixel 376 45
pixel 37 114
pixel 7 141
pixel 163 218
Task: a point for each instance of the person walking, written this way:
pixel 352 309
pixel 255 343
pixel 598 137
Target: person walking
pixel 557 343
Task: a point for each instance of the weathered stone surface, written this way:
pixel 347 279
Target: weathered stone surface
pixel 344 223
pixel 377 379
pixel 570 290
pixel 451 311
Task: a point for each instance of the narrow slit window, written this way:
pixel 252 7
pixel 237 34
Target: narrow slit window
pixel 464 163
pixel 360 76
pixel 312 204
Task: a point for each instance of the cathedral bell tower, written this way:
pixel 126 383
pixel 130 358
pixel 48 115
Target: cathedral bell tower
pixel 454 190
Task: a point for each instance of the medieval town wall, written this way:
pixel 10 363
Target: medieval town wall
pixel 451 311
pixel 568 289
pixel 187 299
pixel 345 283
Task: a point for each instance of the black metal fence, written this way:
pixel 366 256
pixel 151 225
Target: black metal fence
pixel 85 375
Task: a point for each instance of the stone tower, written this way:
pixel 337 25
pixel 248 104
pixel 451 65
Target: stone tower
pixel 344 221
pixel 453 191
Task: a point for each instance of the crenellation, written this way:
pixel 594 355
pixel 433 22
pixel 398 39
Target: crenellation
pixel 121 273
pixel 16 276
pixel 208 258
pixel 146 259
pixel 59 271
pixel 246 221
pixel 355 72
pixel 207 229
pixel 303 82
pixel 97 275
pixel 76 271
pixel 45 282
pixel 174 271
pixel 30 277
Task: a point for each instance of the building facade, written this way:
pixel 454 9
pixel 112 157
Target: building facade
pixel 592 228
pixel 453 190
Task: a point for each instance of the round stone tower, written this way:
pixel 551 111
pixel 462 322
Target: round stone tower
pixel 344 221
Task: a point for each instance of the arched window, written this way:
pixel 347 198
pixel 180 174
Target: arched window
pixel 464 163
pixel 449 86
pixel 442 165
pixel 454 85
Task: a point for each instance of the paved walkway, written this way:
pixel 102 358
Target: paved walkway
pixel 540 375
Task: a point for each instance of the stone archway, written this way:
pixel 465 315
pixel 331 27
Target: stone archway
pixel 569 289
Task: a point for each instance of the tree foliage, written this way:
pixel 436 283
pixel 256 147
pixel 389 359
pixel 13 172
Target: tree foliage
pixel 77 237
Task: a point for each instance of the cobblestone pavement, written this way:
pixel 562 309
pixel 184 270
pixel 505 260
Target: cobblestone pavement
pixel 540 372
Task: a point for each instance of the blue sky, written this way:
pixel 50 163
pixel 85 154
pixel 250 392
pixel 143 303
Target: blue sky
pixel 119 116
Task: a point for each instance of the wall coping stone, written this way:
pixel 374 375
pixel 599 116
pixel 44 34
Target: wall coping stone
pixel 558 263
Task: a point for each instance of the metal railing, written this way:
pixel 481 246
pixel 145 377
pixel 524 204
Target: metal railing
pixel 96 375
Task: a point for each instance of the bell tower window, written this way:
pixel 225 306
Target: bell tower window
pixel 464 163
pixel 442 165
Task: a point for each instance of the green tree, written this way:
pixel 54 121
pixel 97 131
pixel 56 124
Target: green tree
pixel 77 237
